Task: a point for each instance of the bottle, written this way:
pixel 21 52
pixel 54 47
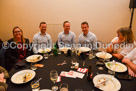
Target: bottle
pixel 55 51
pixel 89 73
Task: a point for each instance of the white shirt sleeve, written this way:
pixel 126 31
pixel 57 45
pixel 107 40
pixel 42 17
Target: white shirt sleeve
pixel 34 43
pixel 131 55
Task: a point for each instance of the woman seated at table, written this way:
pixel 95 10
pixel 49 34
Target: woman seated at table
pixel 122 44
pixel 18 48
pixel 130 61
pixel 3 76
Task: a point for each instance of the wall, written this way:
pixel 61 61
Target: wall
pixel 103 16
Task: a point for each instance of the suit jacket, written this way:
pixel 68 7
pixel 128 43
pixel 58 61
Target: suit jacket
pixel 12 54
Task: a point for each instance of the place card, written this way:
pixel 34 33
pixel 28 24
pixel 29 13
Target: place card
pixel 83 70
pixel 77 74
pixel 67 74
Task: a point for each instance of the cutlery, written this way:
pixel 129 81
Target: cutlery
pixel 64 62
pixel 101 83
pixel 38 80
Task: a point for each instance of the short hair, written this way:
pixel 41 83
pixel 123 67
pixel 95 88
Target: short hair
pixel 65 22
pixel 83 23
pixel 42 23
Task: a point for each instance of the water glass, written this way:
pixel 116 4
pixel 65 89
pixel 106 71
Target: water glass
pixel 35 86
pixel 91 56
pixel 33 67
pixel 73 62
pixel 63 87
pixel 54 77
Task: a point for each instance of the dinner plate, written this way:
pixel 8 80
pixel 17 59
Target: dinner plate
pixel 45 90
pixel 103 55
pixel 106 82
pixel 34 58
pixel 84 49
pixel 118 67
pixel 44 50
pixel 64 49
pixel 23 76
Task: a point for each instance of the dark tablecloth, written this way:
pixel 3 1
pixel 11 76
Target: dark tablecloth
pixel 51 64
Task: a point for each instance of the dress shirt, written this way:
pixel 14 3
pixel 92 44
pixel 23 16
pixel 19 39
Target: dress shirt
pixel 66 40
pixel 41 41
pixel 90 40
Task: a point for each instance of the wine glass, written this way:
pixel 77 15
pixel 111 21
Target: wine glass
pixel 54 77
pixel 73 62
pixel 63 87
pixel 35 86
pixel 45 54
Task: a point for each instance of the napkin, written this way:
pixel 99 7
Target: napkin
pixel 19 65
pixel 77 74
pixel 67 74
pixel 59 79
pixel 83 70
pixel 39 65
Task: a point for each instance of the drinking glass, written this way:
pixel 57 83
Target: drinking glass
pixel 112 72
pixel 73 62
pixel 35 86
pixel 33 66
pixel 63 87
pixel 91 54
pixel 54 77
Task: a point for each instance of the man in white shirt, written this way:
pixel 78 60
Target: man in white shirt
pixel 130 61
pixel 41 40
pixel 87 39
pixel 67 37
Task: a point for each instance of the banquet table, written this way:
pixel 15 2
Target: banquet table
pixel 73 83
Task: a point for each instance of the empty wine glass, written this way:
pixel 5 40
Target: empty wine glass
pixel 54 77
pixel 63 87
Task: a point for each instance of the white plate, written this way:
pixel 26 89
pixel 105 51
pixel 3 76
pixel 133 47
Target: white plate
pixel 34 58
pixel 111 83
pixel 84 49
pixel 44 50
pixel 119 67
pixel 103 55
pixel 64 49
pixel 45 90
pixel 18 77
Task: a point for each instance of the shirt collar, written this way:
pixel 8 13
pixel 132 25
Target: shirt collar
pixel 68 33
pixel 86 35
pixel 41 34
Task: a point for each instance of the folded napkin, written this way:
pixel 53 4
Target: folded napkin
pixel 67 74
pixel 39 65
pixel 77 74
pixel 83 70
pixel 19 65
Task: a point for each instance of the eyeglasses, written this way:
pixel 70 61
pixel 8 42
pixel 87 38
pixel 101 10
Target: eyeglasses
pixel 17 31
